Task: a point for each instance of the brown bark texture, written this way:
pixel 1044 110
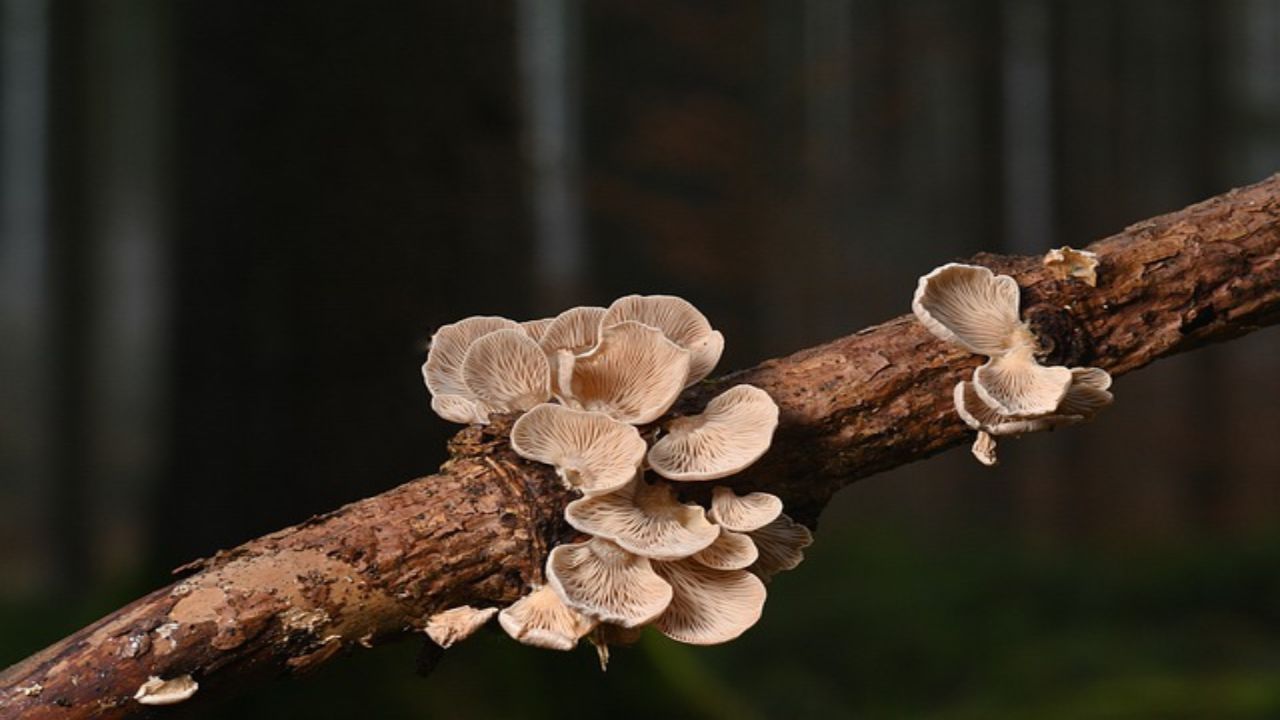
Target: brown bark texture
pixel 478 531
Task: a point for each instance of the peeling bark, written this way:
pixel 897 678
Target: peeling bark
pixel 477 532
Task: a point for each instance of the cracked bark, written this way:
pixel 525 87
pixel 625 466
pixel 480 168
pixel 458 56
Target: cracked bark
pixel 477 531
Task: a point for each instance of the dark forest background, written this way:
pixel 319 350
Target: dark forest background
pixel 230 227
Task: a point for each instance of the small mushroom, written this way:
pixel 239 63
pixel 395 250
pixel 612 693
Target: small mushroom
pixel 970 306
pixel 451 399
pixel 680 321
pixel 634 374
pixel 1015 384
pixel 507 371
pixel 541 619
pixel 709 606
pixel 645 519
pixel 731 551
pixel 984 448
pixel 733 432
pixel 1067 262
pixel 158 691
pixel 743 513
pixel 457 624
pixel 575 330
pixel 781 544
pixel 591 451
pixel 604 582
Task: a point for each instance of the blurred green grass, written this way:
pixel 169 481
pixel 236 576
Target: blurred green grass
pixel 875 625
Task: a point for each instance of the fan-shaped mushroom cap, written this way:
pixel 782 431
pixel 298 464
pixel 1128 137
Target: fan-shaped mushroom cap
pixel 459 409
pixel 680 321
pixel 646 520
pixel 709 606
pixel 535 329
pixel 733 432
pixel 576 330
pixel 1015 384
pixel 591 451
pixel 633 374
pixel 781 544
pixel 1088 392
pixel 541 619
pixel 607 583
pixel 743 513
pixel 457 624
pixel 1067 262
pixel 731 551
pixel 970 306
pixel 443 369
pixel 978 415
pixel 507 371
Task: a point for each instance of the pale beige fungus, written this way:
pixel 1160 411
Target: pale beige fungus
pixel 633 374
pixel 679 321
pixel 541 619
pixel 743 513
pixel 709 606
pixel 645 519
pixel 591 451
pixel 606 583
pixel 507 371
pixel 732 433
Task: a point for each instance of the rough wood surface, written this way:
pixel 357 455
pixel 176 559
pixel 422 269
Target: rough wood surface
pixel 477 532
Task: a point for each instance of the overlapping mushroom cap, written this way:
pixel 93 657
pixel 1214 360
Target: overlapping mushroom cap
pixel 679 321
pixel 633 374
pixel 733 432
pixel 543 620
pixel 1011 393
pixel 591 451
pixel 606 583
pixel 645 519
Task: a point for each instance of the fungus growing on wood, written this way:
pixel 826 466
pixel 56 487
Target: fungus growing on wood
pixel 1011 393
pixel 645 519
pixel 158 691
pixel 507 371
pixel 457 624
pixel 535 329
pixel 781 544
pixel 732 432
pixel 1067 262
pixel 708 606
pixel 543 620
pixel 743 513
pixel 679 321
pixel 606 583
pixel 633 374
pixel 575 330
pixel 591 451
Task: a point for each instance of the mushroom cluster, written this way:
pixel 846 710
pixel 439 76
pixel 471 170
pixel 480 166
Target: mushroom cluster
pixel 582 383
pixel 1011 393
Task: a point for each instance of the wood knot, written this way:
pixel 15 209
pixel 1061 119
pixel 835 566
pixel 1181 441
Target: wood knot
pixel 1060 339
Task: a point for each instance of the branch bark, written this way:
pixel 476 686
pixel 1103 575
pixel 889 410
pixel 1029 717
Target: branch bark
pixel 477 532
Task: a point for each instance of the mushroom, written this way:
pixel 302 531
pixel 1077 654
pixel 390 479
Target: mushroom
pixel 743 513
pixel 457 624
pixel 575 330
pixel 604 582
pixel 541 619
pixel 708 606
pixel 680 321
pixel 1067 262
pixel 535 329
pixel 731 551
pixel 781 544
pixel 507 371
pixel 984 448
pixel 158 691
pixel 1085 397
pixel 1015 384
pixel 733 432
pixel 591 451
pixel 634 374
pixel 442 372
pixel 972 307
pixel 645 519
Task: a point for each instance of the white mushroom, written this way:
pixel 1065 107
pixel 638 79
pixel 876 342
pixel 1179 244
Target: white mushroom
pixel 602 581
pixel 541 619
pixel 1067 262
pixel 970 306
pixel 457 624
pixel 781 544
pixel 158 691
pixel 680 321
pixel 507 371
pixel 743 513
pixel 733 432
pixel 731 551
pixel 575 330
pixel 645 519
pixel 709 606
pixel 634 374
pixel 591 451
pixel 460 409
pixel 1015 384
pixel 984 448
pixel 535 329
pixel 443 369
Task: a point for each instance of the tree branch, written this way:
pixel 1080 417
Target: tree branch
pixel 478 531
